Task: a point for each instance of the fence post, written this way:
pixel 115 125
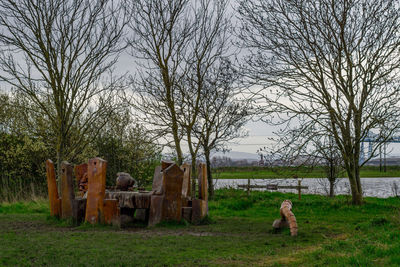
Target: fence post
pixel 248 187
pixel 299 188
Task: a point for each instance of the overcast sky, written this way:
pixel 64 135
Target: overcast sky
pixel 258 132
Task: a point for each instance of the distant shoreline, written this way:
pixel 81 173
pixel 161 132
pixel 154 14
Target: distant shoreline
pixel 259 172
pixel 242 178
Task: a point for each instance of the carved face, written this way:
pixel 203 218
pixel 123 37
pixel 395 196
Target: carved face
pixel 124 181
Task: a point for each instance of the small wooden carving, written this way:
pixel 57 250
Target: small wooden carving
pixel 81 177
pixel 288 219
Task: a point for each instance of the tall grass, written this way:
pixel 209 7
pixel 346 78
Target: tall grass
pixel 19 189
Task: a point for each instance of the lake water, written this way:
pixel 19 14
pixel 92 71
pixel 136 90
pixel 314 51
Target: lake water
pixel 372 187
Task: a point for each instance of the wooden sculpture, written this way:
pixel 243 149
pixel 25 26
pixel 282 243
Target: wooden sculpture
pixel 288 219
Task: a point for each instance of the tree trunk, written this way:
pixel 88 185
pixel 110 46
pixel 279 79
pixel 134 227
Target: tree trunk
pixel 194 175
pixel 178 148
pixel 331 188
pixel 209 177
pixel 355 184
pixel 332 177
pixel 60 158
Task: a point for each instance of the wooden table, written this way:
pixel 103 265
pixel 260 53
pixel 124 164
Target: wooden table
pixel 132 200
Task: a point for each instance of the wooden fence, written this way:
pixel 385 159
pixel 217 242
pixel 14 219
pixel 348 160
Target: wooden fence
pixel 248 187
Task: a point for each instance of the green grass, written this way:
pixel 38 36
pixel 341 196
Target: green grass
pixel 239 233
pixel 289 172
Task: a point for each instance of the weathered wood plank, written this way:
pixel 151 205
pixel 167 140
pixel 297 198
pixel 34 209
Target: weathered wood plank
pixel 186 189
pixel 142 200
pixel 271 187
pixel 172 206
pixel 158 181
pixel 78 209
pixel 111 211
pixel 292 187
pixel 199 210
pixel 67 190
pixel 54 201
pixel 203 182
pixel 96 190
pixel 156 210
pixel 187 213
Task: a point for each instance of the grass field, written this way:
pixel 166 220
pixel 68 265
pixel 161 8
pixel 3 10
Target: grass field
pixel 331 233
pixel 289 172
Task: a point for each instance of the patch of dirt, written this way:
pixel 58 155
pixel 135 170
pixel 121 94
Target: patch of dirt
pixel 19 226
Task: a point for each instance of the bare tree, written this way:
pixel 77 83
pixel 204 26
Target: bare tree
pixel 209 47
pixel 57 53
pixel 222 113
pixel 161 32
pixel 327 150
pixel 328 64
pixel 176 56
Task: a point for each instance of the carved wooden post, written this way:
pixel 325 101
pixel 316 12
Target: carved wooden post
pixel 165 164
pixel 186 189
pixel 158 181
pixel 172 206
pixel 200 206
pixel 67 190
pixel 157 199
pixel 54 200
pixel 203 181
pixel 96 190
